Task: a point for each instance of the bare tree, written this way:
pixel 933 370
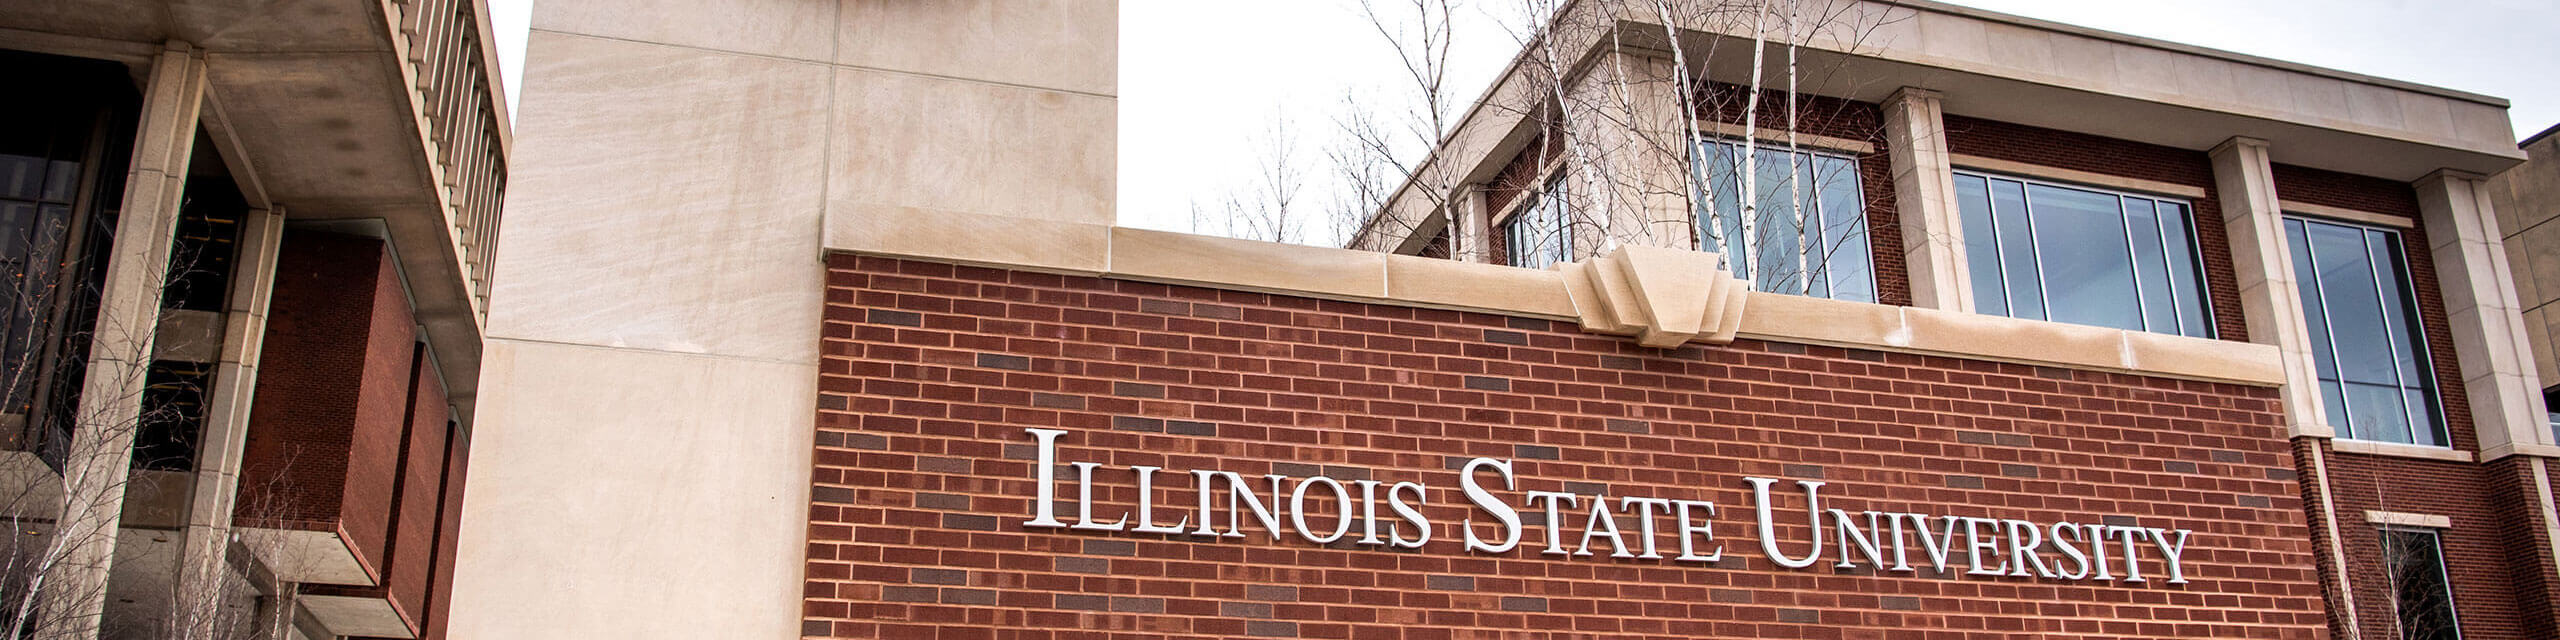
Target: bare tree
pixel 1267 208
pixel 1382 150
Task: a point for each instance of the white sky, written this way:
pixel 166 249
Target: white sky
pixel 1202 81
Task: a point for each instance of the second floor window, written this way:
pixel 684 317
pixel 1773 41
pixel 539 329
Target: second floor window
pixel 2370 352
pixel 2044 251
pixel 1540 234
pixel 1805 231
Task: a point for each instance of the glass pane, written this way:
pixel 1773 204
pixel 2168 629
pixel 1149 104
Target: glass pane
pixel 21 177
pixel 1776 228
pixel 2017 250
pixel 2150 266
pixel 2186 281
pixel 1981 245
pixel 1850 266
pixel 2088 273
pixel 2354 311
pixel 2315 314
pixel 1714 168
pixel 2400 314
pixel 2422 595
pixel 2376 412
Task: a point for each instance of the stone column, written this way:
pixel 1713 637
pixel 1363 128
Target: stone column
pixel 1924 194
pixel 203 569
pixel 110 406
pixel 2481 309
pixel 1470 226
pixel 2262 263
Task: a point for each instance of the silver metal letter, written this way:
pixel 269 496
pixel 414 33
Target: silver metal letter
pixel 1501 512
pixel 1044 478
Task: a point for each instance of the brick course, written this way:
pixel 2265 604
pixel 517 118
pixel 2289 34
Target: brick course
pixel 922 476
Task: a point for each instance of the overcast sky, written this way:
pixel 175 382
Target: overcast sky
pixel 1202 82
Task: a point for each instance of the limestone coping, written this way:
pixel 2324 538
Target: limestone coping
pixel 2394 449
pixel 1364 276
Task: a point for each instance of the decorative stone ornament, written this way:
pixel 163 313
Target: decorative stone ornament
pixel 1664 297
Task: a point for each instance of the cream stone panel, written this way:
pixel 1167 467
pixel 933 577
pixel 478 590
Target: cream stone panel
pixel 2368 103
pixel 1822 321
pixel 2319 97
pixel 1069 45
pixel 2481 310
pixel 630 494
pixel 1999 338
pixel 1005 241
pixel 664 198
pixel 2020 47
pixel 2078 57
pixel 2427 116
pixel 2145 70
pixel 797 29
pixel 1166 256
pixel 2208 79
pixel 1465 285
pixel 905 145
pixel 1950 36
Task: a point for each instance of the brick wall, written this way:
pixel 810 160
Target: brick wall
pixel 333 390
pixel 931 373
pixel 2125 158
pixel 349 428
pixel 2497 548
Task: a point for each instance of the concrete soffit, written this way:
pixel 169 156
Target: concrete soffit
pixel 1664 298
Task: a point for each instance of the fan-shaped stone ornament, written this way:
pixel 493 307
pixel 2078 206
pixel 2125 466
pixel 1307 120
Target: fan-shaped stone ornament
pixel 1663 297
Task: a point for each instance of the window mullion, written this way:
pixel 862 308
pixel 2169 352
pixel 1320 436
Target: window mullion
pixel 2035 250
pixel 2133 261
pixel 2177 309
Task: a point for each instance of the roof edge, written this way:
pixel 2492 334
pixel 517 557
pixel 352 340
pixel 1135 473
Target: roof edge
pixel 2180 47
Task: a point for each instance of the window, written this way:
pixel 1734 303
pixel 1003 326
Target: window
pixel 2046 251
pixel 1538 235
pixel 2365 339
pixel 1806 231
pixel 2421 595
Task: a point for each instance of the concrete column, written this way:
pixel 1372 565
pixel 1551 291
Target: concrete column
pixel 2262 263
pixel 1470 226
pixel 226 421
pixel 2481 309
pixel 1924 194
pixel 1627 163
pixel 110 405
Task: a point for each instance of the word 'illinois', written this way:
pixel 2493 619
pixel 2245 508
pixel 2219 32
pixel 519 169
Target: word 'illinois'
pixel 1391 515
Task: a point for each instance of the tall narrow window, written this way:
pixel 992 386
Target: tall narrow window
pixel 1541 233
pixel 2366 341
pixel 1805 231
pixel 2421 595
pixel 2046 251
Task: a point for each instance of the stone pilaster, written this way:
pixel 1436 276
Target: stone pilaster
pixel 1924 193
pixel 1470 226
pixel 2262 265
pixel 2480 306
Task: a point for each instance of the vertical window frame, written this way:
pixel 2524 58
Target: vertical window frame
pixel 2444 573
pixel 2423 348
pixel 2207 327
